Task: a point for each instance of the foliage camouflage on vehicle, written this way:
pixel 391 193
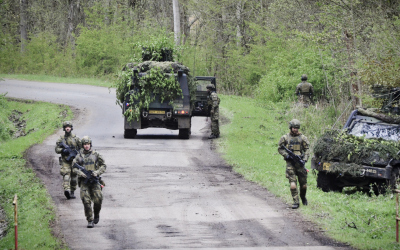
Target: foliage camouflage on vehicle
pixel 349 151
pixel 157 80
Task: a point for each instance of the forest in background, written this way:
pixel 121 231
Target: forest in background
pixel 256 48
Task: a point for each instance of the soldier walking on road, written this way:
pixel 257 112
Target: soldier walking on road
pixel 305 91
pixel 92 161
pixel 213 107
pixel 68 152
pixel 299 145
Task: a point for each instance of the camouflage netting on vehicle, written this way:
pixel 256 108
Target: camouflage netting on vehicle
pixel 388 118
pixel 124 82
pixel 166 67
pixel 338 146
pixel 351 169
pixel 159 80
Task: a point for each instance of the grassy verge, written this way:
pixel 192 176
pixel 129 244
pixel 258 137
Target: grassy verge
pixel 249 143
pixel 72 80
pixel 35 208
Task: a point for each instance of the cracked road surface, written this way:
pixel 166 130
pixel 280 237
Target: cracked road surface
pixel 161 192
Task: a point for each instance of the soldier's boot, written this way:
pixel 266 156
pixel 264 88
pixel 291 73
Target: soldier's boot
pixel 295 197
pixel 72 195
pixel 90 224
pixel 96 219
pixel 212 136
pixel 67 194
pixel 303 192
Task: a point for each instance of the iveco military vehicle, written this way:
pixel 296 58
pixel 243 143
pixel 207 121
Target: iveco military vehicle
pixel 365 154
pixel 174 115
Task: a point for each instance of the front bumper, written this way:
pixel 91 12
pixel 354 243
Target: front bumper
pixel 362 170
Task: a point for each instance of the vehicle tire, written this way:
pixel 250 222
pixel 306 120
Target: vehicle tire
pixel 130 133
pixel 184 133
pixel 326 182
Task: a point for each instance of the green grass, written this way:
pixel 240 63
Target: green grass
pixel 35 208
pixel 249 142
pixel 44 78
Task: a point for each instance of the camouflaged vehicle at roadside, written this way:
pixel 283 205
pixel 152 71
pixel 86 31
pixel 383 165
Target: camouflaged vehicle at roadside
pixel 364 154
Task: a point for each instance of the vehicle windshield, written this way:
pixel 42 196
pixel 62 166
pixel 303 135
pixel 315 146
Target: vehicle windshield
pixel 202 85
pixel 371 130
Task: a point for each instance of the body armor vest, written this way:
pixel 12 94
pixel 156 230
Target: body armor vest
pixel 305 88
pixel 294 143
pixel 89 161
pixel 71 141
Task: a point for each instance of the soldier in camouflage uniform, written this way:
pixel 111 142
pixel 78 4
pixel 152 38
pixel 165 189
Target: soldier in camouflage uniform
pixel 69 177
pixel 305 91
pixel 90 160
pixel 299 145
pixel 213 107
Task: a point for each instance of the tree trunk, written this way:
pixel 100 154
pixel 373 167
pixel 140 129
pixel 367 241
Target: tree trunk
pixel 70 37
pixel 23 24
pixel 177 22
pixel 238 21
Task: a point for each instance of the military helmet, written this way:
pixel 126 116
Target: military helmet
pixel 210 86
pixel 304 77
pixel 86 140
pixel 294 124
pixel 67 124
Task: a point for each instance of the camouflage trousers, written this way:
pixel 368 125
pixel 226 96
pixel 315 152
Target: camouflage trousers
pixel 91 193
pixel 305 100
pixel 70 179
pixel 214 127
pixel 296 172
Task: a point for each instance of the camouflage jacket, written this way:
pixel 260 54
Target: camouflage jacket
pixel 213 102
pixel 90 160
pixel 71 140
pixel 298 144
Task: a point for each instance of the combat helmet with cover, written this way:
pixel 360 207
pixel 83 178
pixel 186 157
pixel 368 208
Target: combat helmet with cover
pixel 86 140
pixel 294 124
pixel 304 77
pixel 210 86
pixel 67 124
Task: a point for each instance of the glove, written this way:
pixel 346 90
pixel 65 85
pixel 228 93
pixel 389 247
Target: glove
pixel 81 174
pixel 65 152
pixel 95 173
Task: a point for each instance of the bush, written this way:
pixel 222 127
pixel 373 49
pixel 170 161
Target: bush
pixel 290 62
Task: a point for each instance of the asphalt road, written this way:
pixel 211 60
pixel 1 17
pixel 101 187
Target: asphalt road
pixel 161 192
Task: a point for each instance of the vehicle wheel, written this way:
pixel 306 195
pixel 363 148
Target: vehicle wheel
pixel 326 182
pixel 130 133
pixel 184 133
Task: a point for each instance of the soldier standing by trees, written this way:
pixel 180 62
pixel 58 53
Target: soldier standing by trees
pixel 67 155
pixel 299 145
pixel 92 161
pixel 213 106
pixel 305 91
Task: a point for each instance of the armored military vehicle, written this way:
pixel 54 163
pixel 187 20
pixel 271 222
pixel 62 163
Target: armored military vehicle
pixel 364 154
pixel 170 105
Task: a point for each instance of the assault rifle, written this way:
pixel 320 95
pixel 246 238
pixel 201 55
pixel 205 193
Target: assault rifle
pixel 90 178
pixel 295 158
pixel 72 152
